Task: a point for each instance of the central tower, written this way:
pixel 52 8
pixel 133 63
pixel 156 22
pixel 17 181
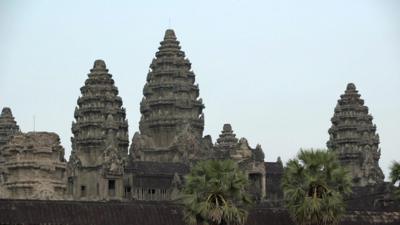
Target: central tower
pixel 170 107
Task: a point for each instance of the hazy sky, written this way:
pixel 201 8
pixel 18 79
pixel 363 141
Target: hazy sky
pixel 273 69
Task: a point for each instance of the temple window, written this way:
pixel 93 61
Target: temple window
pixel 127 191
pixel 111 187
pixel 83 191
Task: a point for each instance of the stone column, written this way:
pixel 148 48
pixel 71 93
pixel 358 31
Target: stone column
pixel 263 186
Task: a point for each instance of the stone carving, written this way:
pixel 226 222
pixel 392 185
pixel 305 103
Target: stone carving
pixel 187 144
pixel 352 137
pixel 139 144
pixel 176 186
pixel 35 166
pixel 113 164
pixel 45 191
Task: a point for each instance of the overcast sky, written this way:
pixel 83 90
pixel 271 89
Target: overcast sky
pixel 273 69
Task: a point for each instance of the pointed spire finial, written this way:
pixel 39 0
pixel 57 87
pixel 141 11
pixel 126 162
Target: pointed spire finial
pixel 227 127
pixel 6 112
pixel 169 35
pixel 350 87
pixel 99 64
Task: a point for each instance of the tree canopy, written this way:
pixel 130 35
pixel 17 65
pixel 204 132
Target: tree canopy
pixel 314 184
pixel 395 176
pixel 215 194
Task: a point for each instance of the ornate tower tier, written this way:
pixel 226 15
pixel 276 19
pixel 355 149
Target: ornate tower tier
pixel 172 122
pixel 228 146
pixel 170 95
pixel 35 167
pixel 100 142
pixel 8 126
pixel 227 139
pixel 353 137
pixel 98 114
pixel 250 160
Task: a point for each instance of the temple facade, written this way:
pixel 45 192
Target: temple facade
pixel 169 141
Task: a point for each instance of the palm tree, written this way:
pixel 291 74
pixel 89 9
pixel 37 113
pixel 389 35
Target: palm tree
pixel 395 177
pixel 215 194
pixel 313 185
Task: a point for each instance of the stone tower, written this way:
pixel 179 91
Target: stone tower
pixel 35 167
pixel 250 160
pixel 8 126
pixel 100 139
pixel 171 109
pixel 226 143
pixel 353 138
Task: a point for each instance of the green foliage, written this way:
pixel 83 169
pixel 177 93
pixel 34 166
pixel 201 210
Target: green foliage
pixel 395 176
pixel 215 193
pixel 313 185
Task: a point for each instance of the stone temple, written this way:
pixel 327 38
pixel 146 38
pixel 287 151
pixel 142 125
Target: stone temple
pixel 104 165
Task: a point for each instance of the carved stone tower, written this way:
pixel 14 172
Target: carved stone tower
pixel 170 108
pixel 250 160
pixel 8 126
pixel 353 138
pixel 226 143
pixel 100 140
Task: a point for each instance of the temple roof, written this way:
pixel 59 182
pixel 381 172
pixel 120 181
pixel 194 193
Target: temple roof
pixel 31 212
pixel 273 168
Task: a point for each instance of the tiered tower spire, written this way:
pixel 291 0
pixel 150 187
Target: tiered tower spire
pixel 353 137
pixel 98 114
pixel 170 95
pixel 8 126
pixel 100 136
pixel 227 141
pixel 172 118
